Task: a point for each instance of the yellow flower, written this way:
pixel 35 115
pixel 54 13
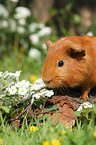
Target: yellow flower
pixel 70 129
pixel 55 142
pixel 33 78
pixel 63 132
pixel 95 133
pixel 1 141
pixel 46 143
pixel 59 138
pixel 33 129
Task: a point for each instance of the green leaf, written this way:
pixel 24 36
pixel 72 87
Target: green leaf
pixel 54 107
pixel 77 113
pixel 69 6
pixel 52 11
pixel 38 104
pixel 5 109
pixel 7 101
pixel 43 117
pixel 0 103
pixel 8 80
pixel 0 113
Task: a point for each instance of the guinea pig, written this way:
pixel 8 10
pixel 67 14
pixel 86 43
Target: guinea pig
pixel 71 62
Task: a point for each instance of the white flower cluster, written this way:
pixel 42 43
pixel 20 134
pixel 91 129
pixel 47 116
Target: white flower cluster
pixel 3 11
pixel 43 93
pixel 19 88
pixel 43 30
pixel 21 25
pixel 85 105
pixel 22 12
pixel 16 91
pixel 18 21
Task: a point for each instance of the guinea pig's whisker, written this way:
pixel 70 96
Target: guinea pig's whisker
pixel 66 88
pixel 63 89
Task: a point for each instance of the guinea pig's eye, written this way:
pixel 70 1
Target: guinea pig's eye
pixel 60 63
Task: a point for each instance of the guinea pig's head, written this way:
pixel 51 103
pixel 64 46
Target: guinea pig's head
pixel 64 64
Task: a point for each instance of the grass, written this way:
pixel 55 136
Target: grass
pixel 46 133
pixel 26 65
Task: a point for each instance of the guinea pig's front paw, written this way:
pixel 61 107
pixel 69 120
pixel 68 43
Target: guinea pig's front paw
pixel 86 98
pixel 85 95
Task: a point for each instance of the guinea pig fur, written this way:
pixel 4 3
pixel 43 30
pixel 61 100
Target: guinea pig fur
pixel 71 62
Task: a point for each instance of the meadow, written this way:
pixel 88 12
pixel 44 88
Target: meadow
pixel 22 54
pixel 48 134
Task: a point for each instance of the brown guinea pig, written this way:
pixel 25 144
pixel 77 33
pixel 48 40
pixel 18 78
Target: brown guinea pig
pixel 71 62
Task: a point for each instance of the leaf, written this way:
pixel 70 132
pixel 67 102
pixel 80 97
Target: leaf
pixel 43 117
pixel 54 107
pixel 69 6
pixel 5 109
pixel 0 113
pixel 7 101
pixel 38 104
pixel 77 113
pixel 52 11
pixel 8 80
pixel 0 103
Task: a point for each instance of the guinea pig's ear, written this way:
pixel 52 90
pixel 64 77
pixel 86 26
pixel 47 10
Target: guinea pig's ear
pixel 48 43
pixel 75 53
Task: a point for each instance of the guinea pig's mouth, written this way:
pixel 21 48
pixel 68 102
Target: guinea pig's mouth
pixel 47 83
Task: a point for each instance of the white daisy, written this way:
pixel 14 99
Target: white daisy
pixel 37 95
pixel 22 91
pixel 19 84
pixel 39 82
pixel 49 93
pixel 84 105
pixel 12 90
pixel 26 84
pixel 17 73
pixel 35 87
